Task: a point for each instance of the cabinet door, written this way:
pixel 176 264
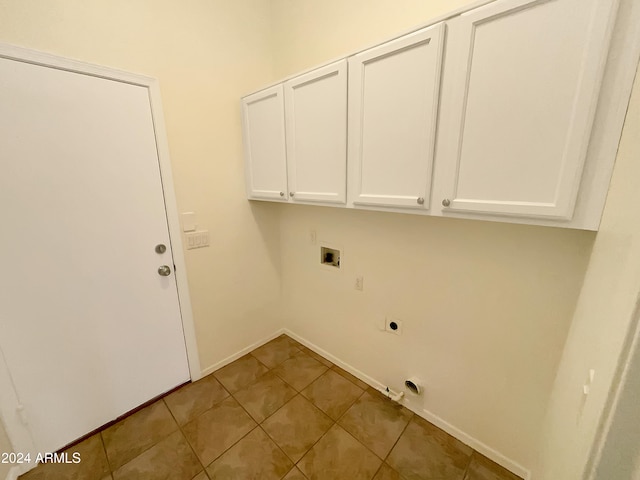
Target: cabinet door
pixel 393 107
pixel 524 85
pixel 316 131
pixel 264 144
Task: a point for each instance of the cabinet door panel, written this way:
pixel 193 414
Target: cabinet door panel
pixel 316 127
pixel 393 105
pixel 527 75
pixel 264 144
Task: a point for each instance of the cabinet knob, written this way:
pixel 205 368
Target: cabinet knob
pixel 446 202
pixel 420 201
pixel 282 194
pixel 291 194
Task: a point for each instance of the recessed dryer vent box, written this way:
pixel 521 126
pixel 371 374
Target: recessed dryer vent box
pixel 330 257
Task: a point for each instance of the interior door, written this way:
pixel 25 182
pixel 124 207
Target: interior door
pixel 89 328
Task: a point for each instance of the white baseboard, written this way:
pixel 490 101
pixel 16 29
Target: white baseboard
pixel 459 434
pixel 335 360
pixel 241 353
pixel 477 445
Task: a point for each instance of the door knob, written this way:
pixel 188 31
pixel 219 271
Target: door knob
pixel 160 248
pixel 164 271
pixel 446 202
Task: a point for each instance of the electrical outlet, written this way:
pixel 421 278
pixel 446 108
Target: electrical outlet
pixel 313 237
pixel 393 325
pixel 359 283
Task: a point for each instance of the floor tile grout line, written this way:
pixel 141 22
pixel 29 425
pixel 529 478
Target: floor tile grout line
pixel 231 395
pixel 300 391
pixel 384 460
pixel 149 447
pixel 231 446
pixel 361 443
pixel 185 437
pixel 466 470
pixel 260 424
pixel 279 448
pixel 295 463
pixel 339 368
pixel 104 449
pixel 314 444
pixel 351 405
pixel 279 363
pixel 378 470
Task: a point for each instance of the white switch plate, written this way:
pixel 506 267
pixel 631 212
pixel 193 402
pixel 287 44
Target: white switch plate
pixel 189 222
pixel 359 283
pixel 197 239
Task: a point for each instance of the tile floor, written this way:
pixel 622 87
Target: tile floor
pixel 281 412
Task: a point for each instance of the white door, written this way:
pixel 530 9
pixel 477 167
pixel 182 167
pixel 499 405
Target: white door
pixel 316 134
pixel 88 328
pixel 393 109
pixel 264 144
pixel 520 103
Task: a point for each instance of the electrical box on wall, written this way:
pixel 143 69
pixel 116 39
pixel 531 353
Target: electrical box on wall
pixel 330 257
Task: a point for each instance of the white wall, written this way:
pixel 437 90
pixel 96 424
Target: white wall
pixel 486 306
pixel 603 314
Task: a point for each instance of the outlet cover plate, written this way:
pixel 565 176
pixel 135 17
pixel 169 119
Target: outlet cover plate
pixel 389 321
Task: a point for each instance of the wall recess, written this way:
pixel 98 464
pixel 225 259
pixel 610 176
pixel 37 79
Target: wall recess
pixel 330 257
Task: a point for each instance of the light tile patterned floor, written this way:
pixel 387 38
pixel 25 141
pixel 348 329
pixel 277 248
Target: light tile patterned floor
pixel 281 412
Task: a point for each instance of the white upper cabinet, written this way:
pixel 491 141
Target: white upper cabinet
pixel 264 144
pixel 393 110
pixel 523 81
pixel 516 117
pixel 316 131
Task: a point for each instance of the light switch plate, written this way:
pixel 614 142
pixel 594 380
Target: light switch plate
pixel 197 239
pixel 189 222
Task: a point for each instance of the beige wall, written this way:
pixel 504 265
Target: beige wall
pixel 486 306
pixel 309 32
pixel 206 54
pixel 603 313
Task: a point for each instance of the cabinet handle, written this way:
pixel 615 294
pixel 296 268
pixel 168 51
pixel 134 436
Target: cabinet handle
pixel 420 201
pixel 282 194
pixel 446 202
pixel 291 194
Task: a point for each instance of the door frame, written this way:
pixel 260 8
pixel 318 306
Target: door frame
pixel 16 430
